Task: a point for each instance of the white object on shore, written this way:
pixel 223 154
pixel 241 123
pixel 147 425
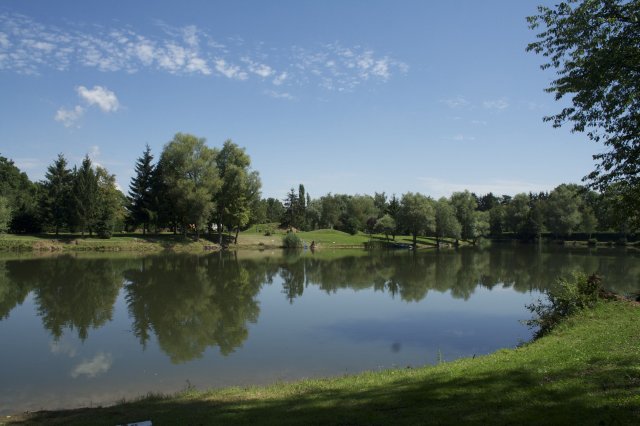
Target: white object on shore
pixel 142 423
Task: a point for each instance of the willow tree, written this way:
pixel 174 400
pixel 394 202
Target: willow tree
pixel 191 178
pixel 416 215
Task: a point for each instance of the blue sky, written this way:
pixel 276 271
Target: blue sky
pixel 343 96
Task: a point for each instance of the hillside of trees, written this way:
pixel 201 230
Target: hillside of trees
pixel 194 189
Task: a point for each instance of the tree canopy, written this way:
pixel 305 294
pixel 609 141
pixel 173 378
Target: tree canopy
pixel 594 46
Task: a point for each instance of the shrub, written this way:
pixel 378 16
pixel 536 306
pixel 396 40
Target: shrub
pixel 291 240
pixel 103 229
pixel 592 242
pixel 572 294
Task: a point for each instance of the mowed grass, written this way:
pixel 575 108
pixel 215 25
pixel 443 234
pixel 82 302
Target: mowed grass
pixel 586 372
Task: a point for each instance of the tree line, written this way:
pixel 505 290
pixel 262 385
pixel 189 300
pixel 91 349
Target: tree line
pixel 562 212
pixel 194 189
pixel 191 188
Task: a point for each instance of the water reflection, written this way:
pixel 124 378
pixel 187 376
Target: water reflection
pixel 191 303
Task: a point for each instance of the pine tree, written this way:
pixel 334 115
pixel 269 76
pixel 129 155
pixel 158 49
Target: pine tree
pixel 141 201
pixel 85 196
pixel 57 194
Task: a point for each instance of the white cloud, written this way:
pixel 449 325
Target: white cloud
pixel 457 102
pixel 104 98
pixel 69 117
pixel 461 138
pixel 64 348
pixel 230 71
pixel 443 188
pixel 279 95
pixel 30 47
pixel 498 104
pixel 99 364
pixel 262 70
pixel 280 78
pixel 479 122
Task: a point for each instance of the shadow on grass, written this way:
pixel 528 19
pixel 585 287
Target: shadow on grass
pixel 509 396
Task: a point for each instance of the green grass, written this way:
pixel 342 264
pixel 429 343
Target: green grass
pixel 119 242
pixel 587 372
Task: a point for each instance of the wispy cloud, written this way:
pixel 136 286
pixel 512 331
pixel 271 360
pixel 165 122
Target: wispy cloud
pixel 230 71
pixel 498 104
pixel 99 364
pixel 69 117
pixel 443 188
pixel 30 47
pixel 460 138
pixel 279 95
pixel 456 102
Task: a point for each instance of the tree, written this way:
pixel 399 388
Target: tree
pixel 588 222
pixel 239 191
pixel 380 202
pixel 331 210
pixel 416 215
pixel 517 214
pixel 447 225
pixel 109 206
pixel 141 205
pixel 85 196
pixel 191 178
pixel 563 210
pixel 482 225
pixel 386 225
pixel 594 47
pixel 57 194
pixel 274 210
pixel 465 205
pixel 5 215
pixel 22 197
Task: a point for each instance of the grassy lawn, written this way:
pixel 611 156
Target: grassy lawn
pixel 586 372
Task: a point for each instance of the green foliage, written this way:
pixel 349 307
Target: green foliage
pixel 57 196
pixel 85 196
pixel 447 225
pixel 571 294
pixel 416 214
pixel 563 210
pixel 465 205
pixel 291 240
pixel 141 206
pixel 239 190
pixel 386 225
pixel 5 214
pixel 594 46
pixel 190 178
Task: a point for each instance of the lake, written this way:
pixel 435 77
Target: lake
pixel 86 330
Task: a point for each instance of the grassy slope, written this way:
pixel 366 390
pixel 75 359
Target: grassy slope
pixel 586 372
pixel 251 238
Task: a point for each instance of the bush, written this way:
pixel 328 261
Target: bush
pixel 291 240
pixel 592 242
pixel 572 294
pixel 103 229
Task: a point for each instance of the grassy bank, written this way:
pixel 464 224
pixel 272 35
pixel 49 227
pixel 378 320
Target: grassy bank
pixel 587 371
pixel 253 238
pixel 123 242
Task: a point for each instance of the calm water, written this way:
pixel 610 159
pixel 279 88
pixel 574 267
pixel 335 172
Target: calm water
pixel 88 330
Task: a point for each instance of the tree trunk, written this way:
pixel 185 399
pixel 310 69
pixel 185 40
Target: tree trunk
pixel 236 239
pixel 415 242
